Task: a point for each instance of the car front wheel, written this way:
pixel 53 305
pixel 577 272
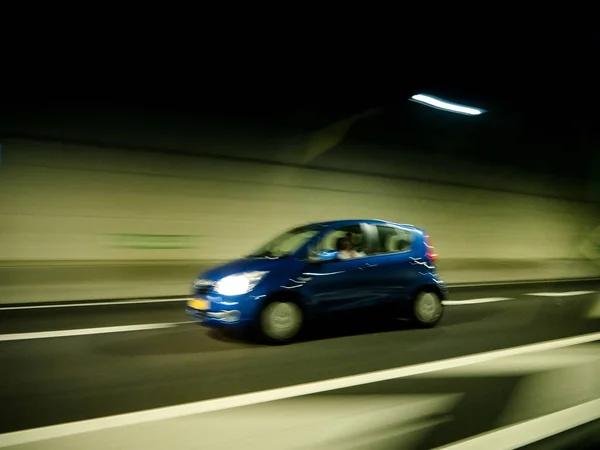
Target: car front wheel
pixel 280 321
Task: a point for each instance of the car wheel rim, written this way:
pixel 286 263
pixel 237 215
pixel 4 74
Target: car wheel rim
pixel 428 307
pixel 281 320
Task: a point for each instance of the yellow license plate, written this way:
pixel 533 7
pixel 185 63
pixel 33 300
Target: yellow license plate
pixel 200 304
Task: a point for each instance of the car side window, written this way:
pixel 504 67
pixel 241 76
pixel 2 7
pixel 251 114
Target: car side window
pixel 334 241
pixel 392 240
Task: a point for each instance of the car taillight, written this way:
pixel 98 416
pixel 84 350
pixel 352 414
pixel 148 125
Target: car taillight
pixel 431 255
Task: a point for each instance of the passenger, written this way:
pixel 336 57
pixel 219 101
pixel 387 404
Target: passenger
pixel 348 251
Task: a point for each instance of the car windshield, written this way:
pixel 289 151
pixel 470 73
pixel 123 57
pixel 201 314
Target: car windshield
pixel 285 244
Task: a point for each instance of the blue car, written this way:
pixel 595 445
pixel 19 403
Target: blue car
pixel 323 268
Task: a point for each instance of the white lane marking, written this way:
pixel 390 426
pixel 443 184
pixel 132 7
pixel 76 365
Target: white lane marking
pixel 560 294
pixel 476 301
pixel 559 360
pixel 511 283
pixel 115 303
pixel 530 431
pixel 218 404
pixel 86 331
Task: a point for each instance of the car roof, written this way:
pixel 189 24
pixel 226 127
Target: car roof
pixel 348 222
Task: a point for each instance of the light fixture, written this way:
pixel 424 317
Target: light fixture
pixel 434 102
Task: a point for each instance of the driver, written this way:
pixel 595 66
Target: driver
pixel 347 250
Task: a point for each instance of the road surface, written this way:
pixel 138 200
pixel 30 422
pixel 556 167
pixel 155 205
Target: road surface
pixel 60 365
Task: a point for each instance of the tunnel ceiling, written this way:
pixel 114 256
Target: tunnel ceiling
pixel 540 89
pixel 527 69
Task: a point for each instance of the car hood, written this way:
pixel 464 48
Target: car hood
pixel 241 265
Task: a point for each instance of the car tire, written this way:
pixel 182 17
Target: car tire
pixel 280 321
pixel 427 309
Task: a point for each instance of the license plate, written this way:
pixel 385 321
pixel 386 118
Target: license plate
pixel 200 304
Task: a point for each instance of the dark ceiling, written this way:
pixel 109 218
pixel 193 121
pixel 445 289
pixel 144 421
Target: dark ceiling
pixel 516 69
pixel 539 86
pixel 531 76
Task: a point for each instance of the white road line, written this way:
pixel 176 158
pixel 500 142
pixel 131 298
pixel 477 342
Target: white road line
pixel 520 365
pixel 115 303
pixel 511 283
pixel 561 294
pixel 530 431
pixel 86 331
pixel 218 404
pixel 476 301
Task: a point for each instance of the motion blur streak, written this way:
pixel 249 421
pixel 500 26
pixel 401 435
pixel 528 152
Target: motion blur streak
pixel 594 311
pixel 533 430
pixel 339 422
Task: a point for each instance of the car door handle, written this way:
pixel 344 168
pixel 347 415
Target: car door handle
pixel 367 266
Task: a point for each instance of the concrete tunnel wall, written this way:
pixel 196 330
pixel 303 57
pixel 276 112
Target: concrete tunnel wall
pixel 64 204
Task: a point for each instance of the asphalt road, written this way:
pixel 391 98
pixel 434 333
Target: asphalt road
pixel 47 379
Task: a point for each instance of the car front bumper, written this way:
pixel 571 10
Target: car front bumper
pixel 216 311
pixel 217 319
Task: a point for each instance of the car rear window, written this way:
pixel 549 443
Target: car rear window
pixel 392 240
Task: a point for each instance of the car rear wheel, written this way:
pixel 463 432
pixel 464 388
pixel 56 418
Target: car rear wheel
pixel 427 309
pixel 281 321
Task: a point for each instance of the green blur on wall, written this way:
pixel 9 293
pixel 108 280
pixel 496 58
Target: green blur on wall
pixel 154 241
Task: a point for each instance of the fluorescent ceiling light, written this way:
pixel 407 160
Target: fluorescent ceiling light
pixel 446 106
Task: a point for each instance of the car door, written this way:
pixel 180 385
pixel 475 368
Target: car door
pixel 339 285
pixel 392 274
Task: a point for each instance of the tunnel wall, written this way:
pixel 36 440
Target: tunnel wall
pixel 65 205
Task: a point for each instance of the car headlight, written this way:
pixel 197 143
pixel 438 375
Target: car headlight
pixel 238 284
